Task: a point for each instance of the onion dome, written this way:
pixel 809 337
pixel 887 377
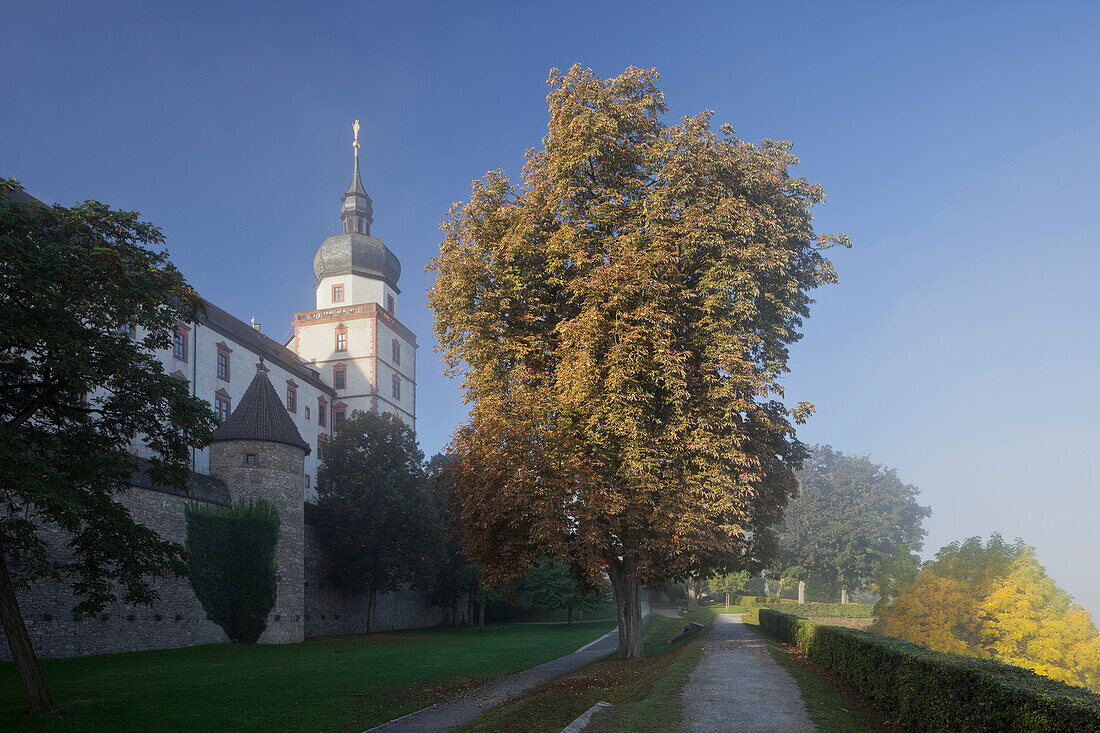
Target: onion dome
pixel 356 252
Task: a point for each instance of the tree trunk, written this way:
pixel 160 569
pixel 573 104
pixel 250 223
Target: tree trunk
pixel 844 595
pixel 372 600
pixel 727 601
pixel 628 606
pixel 802 591
pixel 693 601
pixel 454 611
pixel 481 617
pixel 570 616
pixel 39 701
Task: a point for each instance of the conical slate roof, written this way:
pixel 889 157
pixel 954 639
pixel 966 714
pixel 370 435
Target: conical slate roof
pixel 261 415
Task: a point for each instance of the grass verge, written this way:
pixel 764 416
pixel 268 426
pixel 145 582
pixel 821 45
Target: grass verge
pixel 645 694
pixel 831 704
pixel 332 684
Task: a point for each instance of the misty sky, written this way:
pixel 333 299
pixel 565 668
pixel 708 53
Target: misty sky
pixel 958 146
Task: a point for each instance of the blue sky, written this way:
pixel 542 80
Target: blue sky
pixel 957 144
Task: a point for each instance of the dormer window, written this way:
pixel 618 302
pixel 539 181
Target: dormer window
pixel 338 293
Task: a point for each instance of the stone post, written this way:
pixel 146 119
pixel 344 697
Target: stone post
pixel 802 591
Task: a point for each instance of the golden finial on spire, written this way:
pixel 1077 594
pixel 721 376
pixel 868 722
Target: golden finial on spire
pixel 355 144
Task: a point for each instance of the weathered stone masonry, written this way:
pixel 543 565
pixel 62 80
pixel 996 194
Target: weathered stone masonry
pixel 177 619
pixel 276 473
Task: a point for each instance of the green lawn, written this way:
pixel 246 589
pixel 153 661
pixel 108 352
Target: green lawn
pixel 714 610
pixel 831 706
pixel 334 684
pixel 605 611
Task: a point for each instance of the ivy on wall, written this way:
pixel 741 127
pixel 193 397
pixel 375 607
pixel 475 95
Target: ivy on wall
pixel 231 564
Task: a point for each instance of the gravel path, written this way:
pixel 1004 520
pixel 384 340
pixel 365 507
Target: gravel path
pixel 450 714
pixel 737 686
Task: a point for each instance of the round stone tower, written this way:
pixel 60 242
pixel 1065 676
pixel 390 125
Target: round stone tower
pixel 260 454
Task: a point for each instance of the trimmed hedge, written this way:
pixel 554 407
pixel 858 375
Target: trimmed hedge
pixel 823 610
pixel 934 691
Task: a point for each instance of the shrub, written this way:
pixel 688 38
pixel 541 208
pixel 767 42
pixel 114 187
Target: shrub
pixel 935 691
pixel 232 564
pixel 752 600
pixel 822 610
pixel 825 610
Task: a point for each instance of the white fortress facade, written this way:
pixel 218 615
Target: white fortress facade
pixel 349 353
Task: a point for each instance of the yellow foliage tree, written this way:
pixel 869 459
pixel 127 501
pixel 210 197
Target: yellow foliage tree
pixel 995 601
pixel 1031 622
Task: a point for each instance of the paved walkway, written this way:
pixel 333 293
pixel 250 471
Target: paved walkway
pixel 737 686
pixel 450 714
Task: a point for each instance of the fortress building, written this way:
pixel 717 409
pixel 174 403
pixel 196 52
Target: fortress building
pixel 277 404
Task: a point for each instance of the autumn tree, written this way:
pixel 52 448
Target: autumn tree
pixel 851 516
pixel 374 515
pixel 994 600
pixel 622 319
pixel 76 387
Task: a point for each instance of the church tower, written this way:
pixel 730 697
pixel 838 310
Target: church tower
pixel 354 336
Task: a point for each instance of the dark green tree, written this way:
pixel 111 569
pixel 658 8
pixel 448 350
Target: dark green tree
pixel 376 517
pixel 455 576
pixel 231 564
pixel 551 586
pixel 453 569
pixel 851 516
pixel 75 390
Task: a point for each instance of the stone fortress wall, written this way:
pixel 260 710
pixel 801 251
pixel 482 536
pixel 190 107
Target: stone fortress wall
pixel 179 620
pixel 332 611
pixel 176 620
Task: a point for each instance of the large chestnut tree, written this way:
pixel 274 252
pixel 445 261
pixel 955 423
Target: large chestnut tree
pixel 621 319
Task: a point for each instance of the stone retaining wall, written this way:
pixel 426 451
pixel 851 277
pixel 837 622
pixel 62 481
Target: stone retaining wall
pixel 176 620
pixel 332 611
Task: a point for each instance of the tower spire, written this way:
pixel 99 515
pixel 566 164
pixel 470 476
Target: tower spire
pixel 356 209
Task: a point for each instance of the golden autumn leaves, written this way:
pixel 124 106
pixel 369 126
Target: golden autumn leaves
pixel 621 319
